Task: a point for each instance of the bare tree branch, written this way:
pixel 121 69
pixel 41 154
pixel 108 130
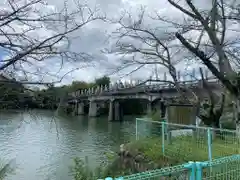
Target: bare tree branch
pixel 24 43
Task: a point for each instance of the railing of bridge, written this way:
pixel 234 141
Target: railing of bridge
pixel 145 85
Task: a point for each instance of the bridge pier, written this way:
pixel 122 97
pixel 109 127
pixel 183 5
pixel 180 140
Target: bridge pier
pixel 93 109
pixel 74 109
pixel 115 111
pixel 80 108
pixel 110 111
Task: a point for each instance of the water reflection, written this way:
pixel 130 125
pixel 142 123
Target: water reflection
pixel 44 145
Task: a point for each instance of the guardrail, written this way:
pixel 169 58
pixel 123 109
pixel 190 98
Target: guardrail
pixel 141 85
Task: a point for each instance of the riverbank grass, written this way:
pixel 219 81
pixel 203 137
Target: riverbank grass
pixel 183 149
pixel 147 154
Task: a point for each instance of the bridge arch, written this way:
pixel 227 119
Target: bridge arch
pixel 134 105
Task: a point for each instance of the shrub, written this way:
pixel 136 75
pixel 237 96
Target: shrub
pixel 81 171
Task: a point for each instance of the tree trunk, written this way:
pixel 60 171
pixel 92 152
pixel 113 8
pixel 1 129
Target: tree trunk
pixel 237 116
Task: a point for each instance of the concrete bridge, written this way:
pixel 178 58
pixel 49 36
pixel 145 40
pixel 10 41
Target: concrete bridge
pixel 150 91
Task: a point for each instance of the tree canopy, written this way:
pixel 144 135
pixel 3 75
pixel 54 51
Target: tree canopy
pixel 102 81
pixel 15 96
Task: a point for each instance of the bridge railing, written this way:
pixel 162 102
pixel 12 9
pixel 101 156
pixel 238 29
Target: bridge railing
pixel 140 85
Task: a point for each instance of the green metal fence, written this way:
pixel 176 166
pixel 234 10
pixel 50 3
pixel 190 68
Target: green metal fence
pixel 180 172
pixel 188 140
pixel 213 154
pixel 226 168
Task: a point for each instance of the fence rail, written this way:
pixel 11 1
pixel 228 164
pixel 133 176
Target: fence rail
pixel 220 169
pixel 179 172
pixel 226 168
pixel 188 142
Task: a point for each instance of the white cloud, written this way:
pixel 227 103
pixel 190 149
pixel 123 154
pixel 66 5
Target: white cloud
pixel 93 38
pixel 167 11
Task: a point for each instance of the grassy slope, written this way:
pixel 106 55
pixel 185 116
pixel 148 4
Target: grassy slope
pixel 184 149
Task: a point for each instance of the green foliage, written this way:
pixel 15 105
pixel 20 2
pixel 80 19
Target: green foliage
pixel 12 95
pixel 5 170
pixel 110 156
pixel 49 98
pixel 154 115
pixel 229 125
pixel 81 171
pixel 76 85
pixel 102 81
pixel 182 149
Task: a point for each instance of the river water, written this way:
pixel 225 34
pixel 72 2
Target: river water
pixel 43 146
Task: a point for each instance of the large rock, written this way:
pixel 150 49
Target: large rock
pixel 133 161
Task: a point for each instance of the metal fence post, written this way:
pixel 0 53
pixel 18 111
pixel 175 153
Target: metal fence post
pixel 163 137
pixel 192 167
pixel 198 170
pixel 209 137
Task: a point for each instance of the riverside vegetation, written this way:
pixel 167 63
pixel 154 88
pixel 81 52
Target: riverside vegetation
pixel 146 154
pixel 16 96
pixel 137 156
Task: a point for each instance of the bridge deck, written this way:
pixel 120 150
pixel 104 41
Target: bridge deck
pixel 142 89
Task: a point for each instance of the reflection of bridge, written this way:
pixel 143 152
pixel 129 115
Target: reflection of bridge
pixel 150 91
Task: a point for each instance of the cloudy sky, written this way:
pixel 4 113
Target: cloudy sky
pixel 94 37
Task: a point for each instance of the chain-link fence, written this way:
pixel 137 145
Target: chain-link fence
pixel 187 141
pixel 225 168
pixel 213 154
pixel 179 172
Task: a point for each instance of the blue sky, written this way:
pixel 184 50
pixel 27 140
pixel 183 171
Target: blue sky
pixel 2 54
